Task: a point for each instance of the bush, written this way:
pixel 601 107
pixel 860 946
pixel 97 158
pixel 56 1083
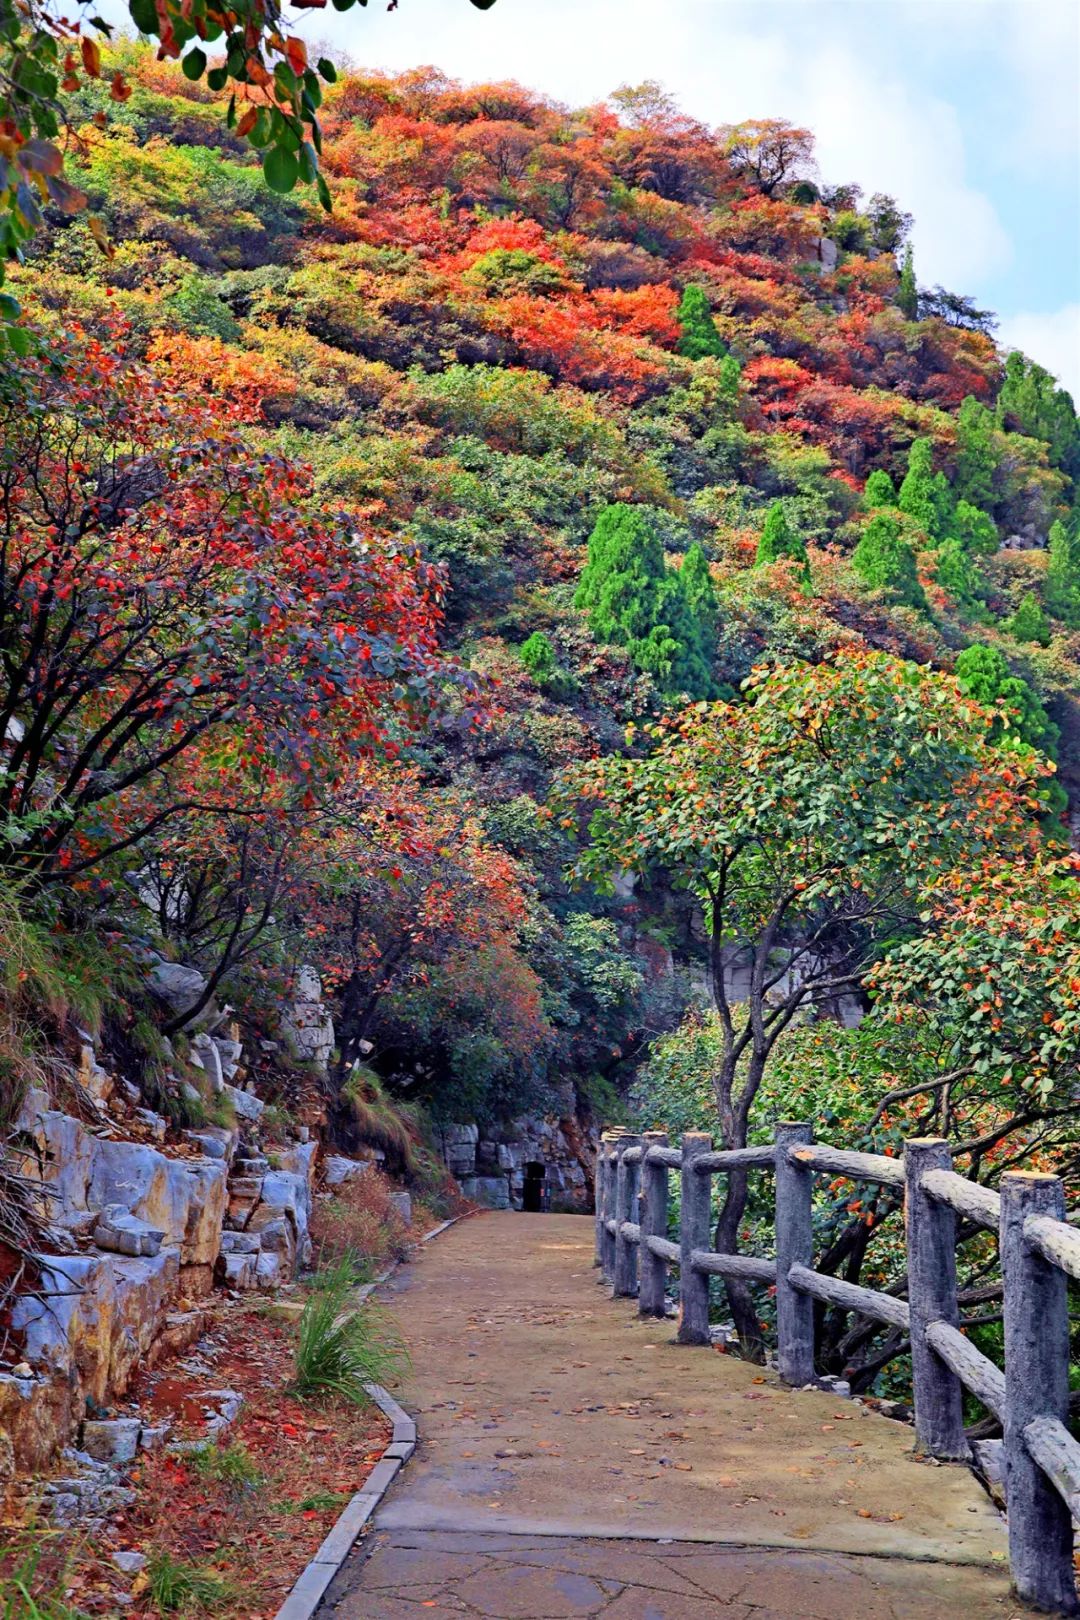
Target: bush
pixel 360 1225
pixel 538 656
pixel 884 560
pixel 232 1466
pixel 340 1350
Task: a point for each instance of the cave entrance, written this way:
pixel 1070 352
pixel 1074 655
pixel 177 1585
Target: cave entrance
pixel 534 1194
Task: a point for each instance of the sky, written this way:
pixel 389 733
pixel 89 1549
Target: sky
pixel 967 111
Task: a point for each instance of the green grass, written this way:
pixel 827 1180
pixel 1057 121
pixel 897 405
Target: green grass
pixel 340 1348
pixel 26 1594
pixel 230 1465
pixel 321 1502
pixel 177 1587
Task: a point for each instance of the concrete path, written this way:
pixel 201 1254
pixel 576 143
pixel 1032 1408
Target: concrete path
pixel 573 1461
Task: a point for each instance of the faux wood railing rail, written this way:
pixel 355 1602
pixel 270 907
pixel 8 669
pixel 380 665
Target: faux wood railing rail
pixel 1038 1252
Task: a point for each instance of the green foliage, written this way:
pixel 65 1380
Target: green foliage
pixel 1033 402
pixel 179 1587
pixel 985 676
pixel 977 456
pixel 699 339
pixel 1063 573
pixel 231 1465
pixel 880 490
pixel 697 582
pixel 29 1591
pixel 907 293
pixel 341 1348
pixel 538 656
pixel 633 600
pixel 780 540
pixel 885 561
pixel 925 495
pixel 973 530
pixel 1029 623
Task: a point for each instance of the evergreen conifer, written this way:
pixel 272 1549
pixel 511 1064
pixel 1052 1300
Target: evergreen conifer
pixel 880 490
pixel 885 560
pixel 1029 623
pixel 907 293
pixel 779 539
pixel 925 494
pixel 699 335
pixel 697 583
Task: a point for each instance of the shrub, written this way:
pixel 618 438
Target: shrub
pixel 1029 623
pixel 880 490
pixel 340 1350
pixel 360 1225
pixel 700 339
pixel 884 560
pixel 779 539
pixel 538 656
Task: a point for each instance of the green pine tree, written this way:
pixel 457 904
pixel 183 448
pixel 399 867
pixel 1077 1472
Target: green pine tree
pixel 1031 401
pixel 885 561
pixel 880 490
pixel 779 539
pixel 957 574
pixel 907 293
pixel 974 530
pixel 699 335
pixel 1063 573
pixel 984 675
pixel 634 601
pixel 1029 623
pixel 977 457
pixel 538 656
pixel 925 494
pixel 697 583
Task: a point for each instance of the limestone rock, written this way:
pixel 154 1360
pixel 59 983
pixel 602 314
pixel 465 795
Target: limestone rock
pixel 246 1104
pixel 179 987
pixel 307 1022
pixel 111 1440
pixel 182 1198
pixel 240 1243
pixel 129 1563
pixel 206 1049
pixel 338 1171
pixel 124 1233
pixel 239 1270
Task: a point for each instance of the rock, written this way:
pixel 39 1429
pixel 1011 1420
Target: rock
pixel 240 1243
pixel 230 1052
pixel 22 1369
pixel 238 1270
pixel 154 1435
pixel 338 1172
pixel 111 1440
pixel 828 254
pixel 190 1093
pixel 299 1160
pixel 63 1509
pixel 401 1204
pixel 92 1077
pixel 129 1563
pixel 182 1198
pixel 257 1166
pixel 154 1122
pixel 490 1191
pixel 7 1457
pixel 222 1407
pixel 246 1104
pixel 37 1415
pixel 123 1233
pixel 278 1237
pixel 269 1271
pixel 179 987
pixel 205 1047
pixel 306 1021
pixel 214 1141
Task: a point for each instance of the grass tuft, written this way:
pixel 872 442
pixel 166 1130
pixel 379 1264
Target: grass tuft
pixel 231 1465
pixel 341 1348
pixel 177 1587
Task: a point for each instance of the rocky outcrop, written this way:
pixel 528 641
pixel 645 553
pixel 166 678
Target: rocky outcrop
pixel 306 1021
pixel 535 1159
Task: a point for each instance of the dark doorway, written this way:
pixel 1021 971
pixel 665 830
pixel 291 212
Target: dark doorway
pixel 532 1195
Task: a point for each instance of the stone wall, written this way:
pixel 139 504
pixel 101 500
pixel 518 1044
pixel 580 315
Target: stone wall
pixel 491 1169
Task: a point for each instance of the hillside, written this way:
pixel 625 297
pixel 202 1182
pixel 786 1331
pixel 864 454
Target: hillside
pixel 462 646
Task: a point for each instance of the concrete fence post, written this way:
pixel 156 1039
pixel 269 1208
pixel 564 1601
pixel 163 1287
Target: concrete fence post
pixel 794 1247
pixel 930 1228
pixel 627 1184
pixel 609 1204
pixel 695 1232
pixel 652 1268
pixel 600 1197
pixel 1036 1385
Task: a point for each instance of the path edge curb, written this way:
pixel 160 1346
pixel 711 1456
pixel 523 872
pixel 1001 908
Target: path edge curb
pixel 310 1587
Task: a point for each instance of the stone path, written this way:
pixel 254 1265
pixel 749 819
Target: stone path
pixel 573 1461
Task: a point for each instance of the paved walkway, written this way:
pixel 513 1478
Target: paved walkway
pixel 573 1461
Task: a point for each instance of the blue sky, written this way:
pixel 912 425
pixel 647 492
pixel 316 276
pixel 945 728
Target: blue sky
pixel 968 111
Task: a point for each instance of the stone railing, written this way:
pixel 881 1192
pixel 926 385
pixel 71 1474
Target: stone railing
pixel 1039 1251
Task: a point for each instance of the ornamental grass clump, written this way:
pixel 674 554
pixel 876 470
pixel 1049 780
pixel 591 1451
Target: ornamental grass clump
pixel 342 1348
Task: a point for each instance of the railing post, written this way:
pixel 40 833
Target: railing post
pixel 794 1247
pixel 652 1269
pixel 694 1233
pixel 627 1183
pixel 599 1197
pixel 609 1205
pixel 1036 1385
pixel 931 1267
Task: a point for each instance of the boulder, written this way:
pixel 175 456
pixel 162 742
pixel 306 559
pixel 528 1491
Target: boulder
pixel 338 1172
pixel 269 1271
pixel 230 1051
pixel 828 254
pixel 182 1198
pixel 245 1103
pixel 92 1077
pixel 179 987
pixel 238 1270
pixel 306 1021
pixel 111 1440
pixel 492 1192
pixel 123 1233
pixel 205 1048
pixel 37 1416
pixel 240 1243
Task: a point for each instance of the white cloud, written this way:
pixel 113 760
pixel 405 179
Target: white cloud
pixel 1052 339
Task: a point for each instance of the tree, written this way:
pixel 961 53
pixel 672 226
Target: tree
pixel 46 56
pixel 925 494
pixel 1032 402
pixel 699 335
pixel 768 152
pixel 779 539
pixel 538 656
pixel 805 823
pixel 880 490
pixel 697 582
pixel 889 223
pixel 886 562
pixel 955 310
pixel 977 456
pixel 1029 623
pixel 907 293
pixel 1063 573
pixel 973 530
pixel 634 601
pixel 985 676
pixel 176 613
